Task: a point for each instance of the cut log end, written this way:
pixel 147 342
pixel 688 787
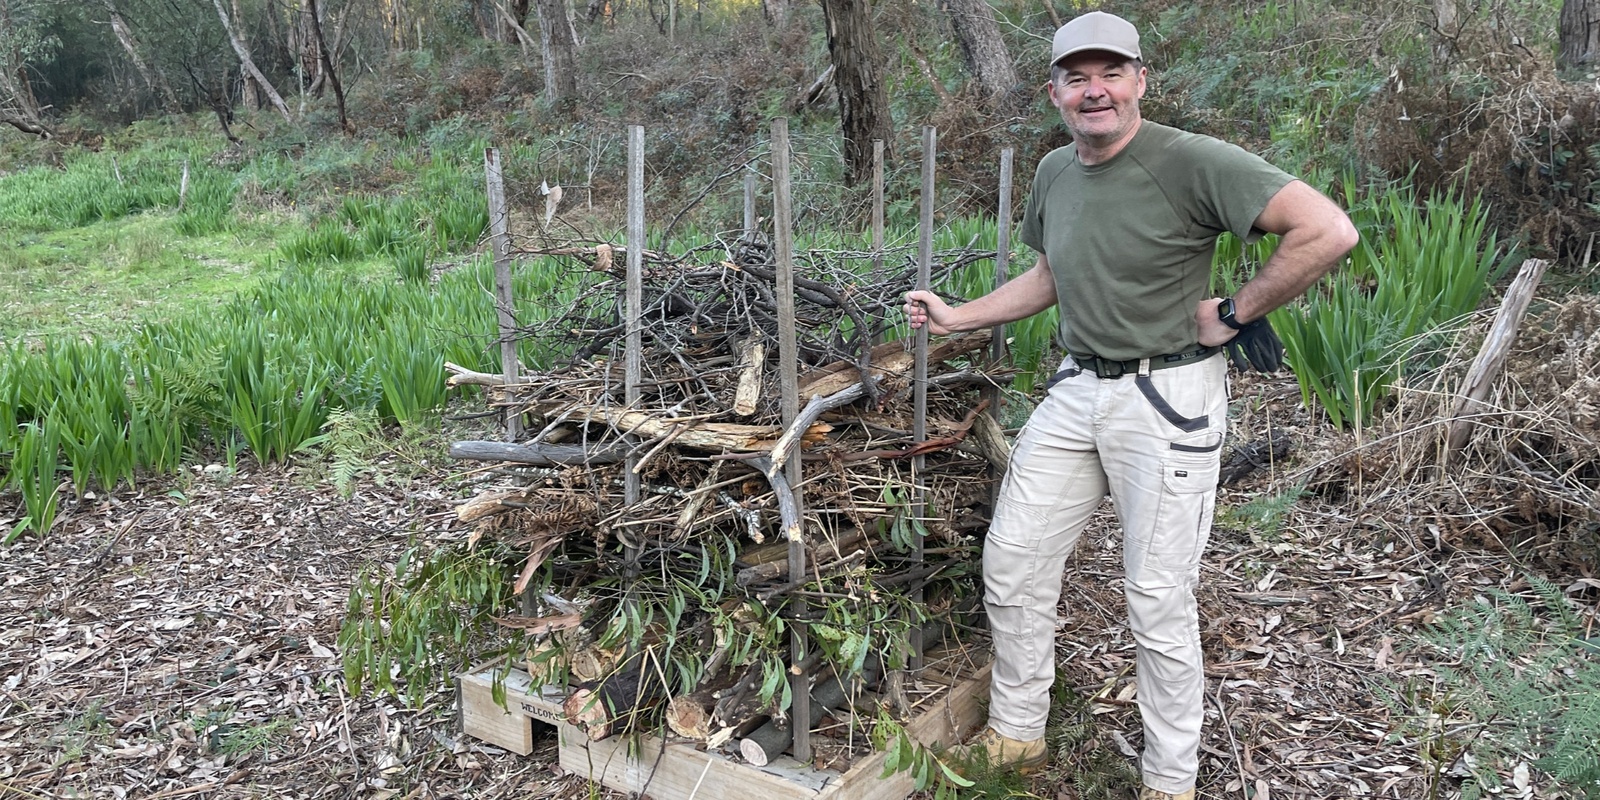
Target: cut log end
pixel 755 753
pixel 587 710
pixel 689 717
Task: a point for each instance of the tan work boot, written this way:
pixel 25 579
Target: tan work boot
pixel 994 751
pixel 1148 793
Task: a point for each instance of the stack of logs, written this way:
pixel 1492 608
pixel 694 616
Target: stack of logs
pixel 675 606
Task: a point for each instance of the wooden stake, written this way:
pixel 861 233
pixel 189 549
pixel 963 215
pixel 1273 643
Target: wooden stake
pixel 634 356
pixel 877 208
pixel 504 297
pixel 997 341
pixel 788 378
pixel 749 203
pixel 1492 357
pixel 1002 271
pixel 183 186
pixel 919 424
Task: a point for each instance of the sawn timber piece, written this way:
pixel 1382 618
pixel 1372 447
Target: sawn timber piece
pixel 670 770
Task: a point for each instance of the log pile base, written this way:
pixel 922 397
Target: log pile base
pixel 680 770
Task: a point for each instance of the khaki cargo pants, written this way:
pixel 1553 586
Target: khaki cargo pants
pixel 1153 441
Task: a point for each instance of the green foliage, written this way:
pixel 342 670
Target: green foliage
pixel 33 471
pixel 350 437
pixel 412 264
pixel 327 241
pixel 905 754
pixel 405 632
pixel 1419 266
pixel 266 370
pixel 1524 667
pixel 88 190
pixel 275 394
pixel 1263 514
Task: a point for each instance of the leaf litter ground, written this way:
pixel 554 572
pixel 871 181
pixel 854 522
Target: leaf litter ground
pixel 180 644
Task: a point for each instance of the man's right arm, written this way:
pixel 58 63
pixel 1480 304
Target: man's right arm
pixel 1028 294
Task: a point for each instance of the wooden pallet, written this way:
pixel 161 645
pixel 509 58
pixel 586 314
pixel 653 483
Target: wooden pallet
pixel 668 770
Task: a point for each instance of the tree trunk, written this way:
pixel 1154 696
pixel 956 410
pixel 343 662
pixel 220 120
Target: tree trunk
pixel 1580 34
pixel 215 100
pixel 250 65
pixel 156 83
pixel 776 12
pixel 327 65
pixel 559 49
pixel 985 52
pixel 863 101
pixel 25 123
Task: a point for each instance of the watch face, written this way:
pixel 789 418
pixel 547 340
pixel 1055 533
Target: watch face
pixel 1225 313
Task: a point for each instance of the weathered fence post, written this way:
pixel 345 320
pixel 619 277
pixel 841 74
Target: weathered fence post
pixel 877 208
pixel 788 377
pixel 634 297
pixel 919 424
pixel 749 203
pixel 504 297
pixel 1496 345
pixel 183 186
pixel 1002 270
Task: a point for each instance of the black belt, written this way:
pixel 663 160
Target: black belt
pixel 1106 368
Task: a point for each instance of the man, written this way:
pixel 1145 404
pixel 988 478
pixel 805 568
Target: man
pixel 1125 220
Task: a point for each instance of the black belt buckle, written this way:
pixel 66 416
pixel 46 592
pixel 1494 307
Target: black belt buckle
pixel 1105 368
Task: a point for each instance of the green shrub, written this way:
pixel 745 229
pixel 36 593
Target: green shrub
pixel 33 472
pixel 1419 266
pixel 412 264
pixel 1517 680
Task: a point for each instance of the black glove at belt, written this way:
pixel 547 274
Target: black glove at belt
pixel 1256 347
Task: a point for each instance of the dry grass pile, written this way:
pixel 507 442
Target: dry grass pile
pixel 1488 112
pixel 1530 475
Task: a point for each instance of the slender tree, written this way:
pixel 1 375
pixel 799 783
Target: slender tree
pixel 249 65
pixel 858 72
pixel 155 81
pixel 1580 34
pixel 327 64
pixel 22 40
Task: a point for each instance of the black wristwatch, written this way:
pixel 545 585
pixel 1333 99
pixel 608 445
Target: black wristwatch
pixel 1225 313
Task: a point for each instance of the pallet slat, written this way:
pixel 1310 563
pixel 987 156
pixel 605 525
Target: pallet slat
pixel 680 771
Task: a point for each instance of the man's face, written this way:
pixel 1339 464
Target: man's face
pixel 1098 96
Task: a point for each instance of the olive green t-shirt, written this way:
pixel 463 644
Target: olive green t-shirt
pixel 1129 241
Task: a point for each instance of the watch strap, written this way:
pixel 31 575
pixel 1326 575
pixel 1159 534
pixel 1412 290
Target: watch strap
pixel 1225 312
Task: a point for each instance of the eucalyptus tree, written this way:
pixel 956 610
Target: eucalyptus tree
pixel 24 40
pixel 984 50
pixel 859 74
pixel 1579 34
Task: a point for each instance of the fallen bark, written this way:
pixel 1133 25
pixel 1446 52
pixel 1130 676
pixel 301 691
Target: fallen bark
pixel 538 455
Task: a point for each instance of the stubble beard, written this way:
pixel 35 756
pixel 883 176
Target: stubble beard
pixel 1123 122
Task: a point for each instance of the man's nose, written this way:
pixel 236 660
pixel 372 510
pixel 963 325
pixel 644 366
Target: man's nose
pixel 1093 88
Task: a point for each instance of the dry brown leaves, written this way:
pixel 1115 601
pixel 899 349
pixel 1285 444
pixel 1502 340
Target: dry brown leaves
pixel 180 642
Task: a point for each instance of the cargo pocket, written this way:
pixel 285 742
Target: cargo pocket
pixel 1188 500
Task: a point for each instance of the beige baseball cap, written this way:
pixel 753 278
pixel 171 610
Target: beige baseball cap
pixel 1095 30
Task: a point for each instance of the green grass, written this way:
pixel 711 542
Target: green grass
pixel 109 276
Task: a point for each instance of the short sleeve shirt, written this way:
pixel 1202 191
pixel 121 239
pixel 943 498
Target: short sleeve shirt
pixel 1129 241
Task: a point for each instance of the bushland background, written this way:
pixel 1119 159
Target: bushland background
pixel 238 238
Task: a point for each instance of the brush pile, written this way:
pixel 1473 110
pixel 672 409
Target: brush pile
pixel 1530 474
pixel 686 593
